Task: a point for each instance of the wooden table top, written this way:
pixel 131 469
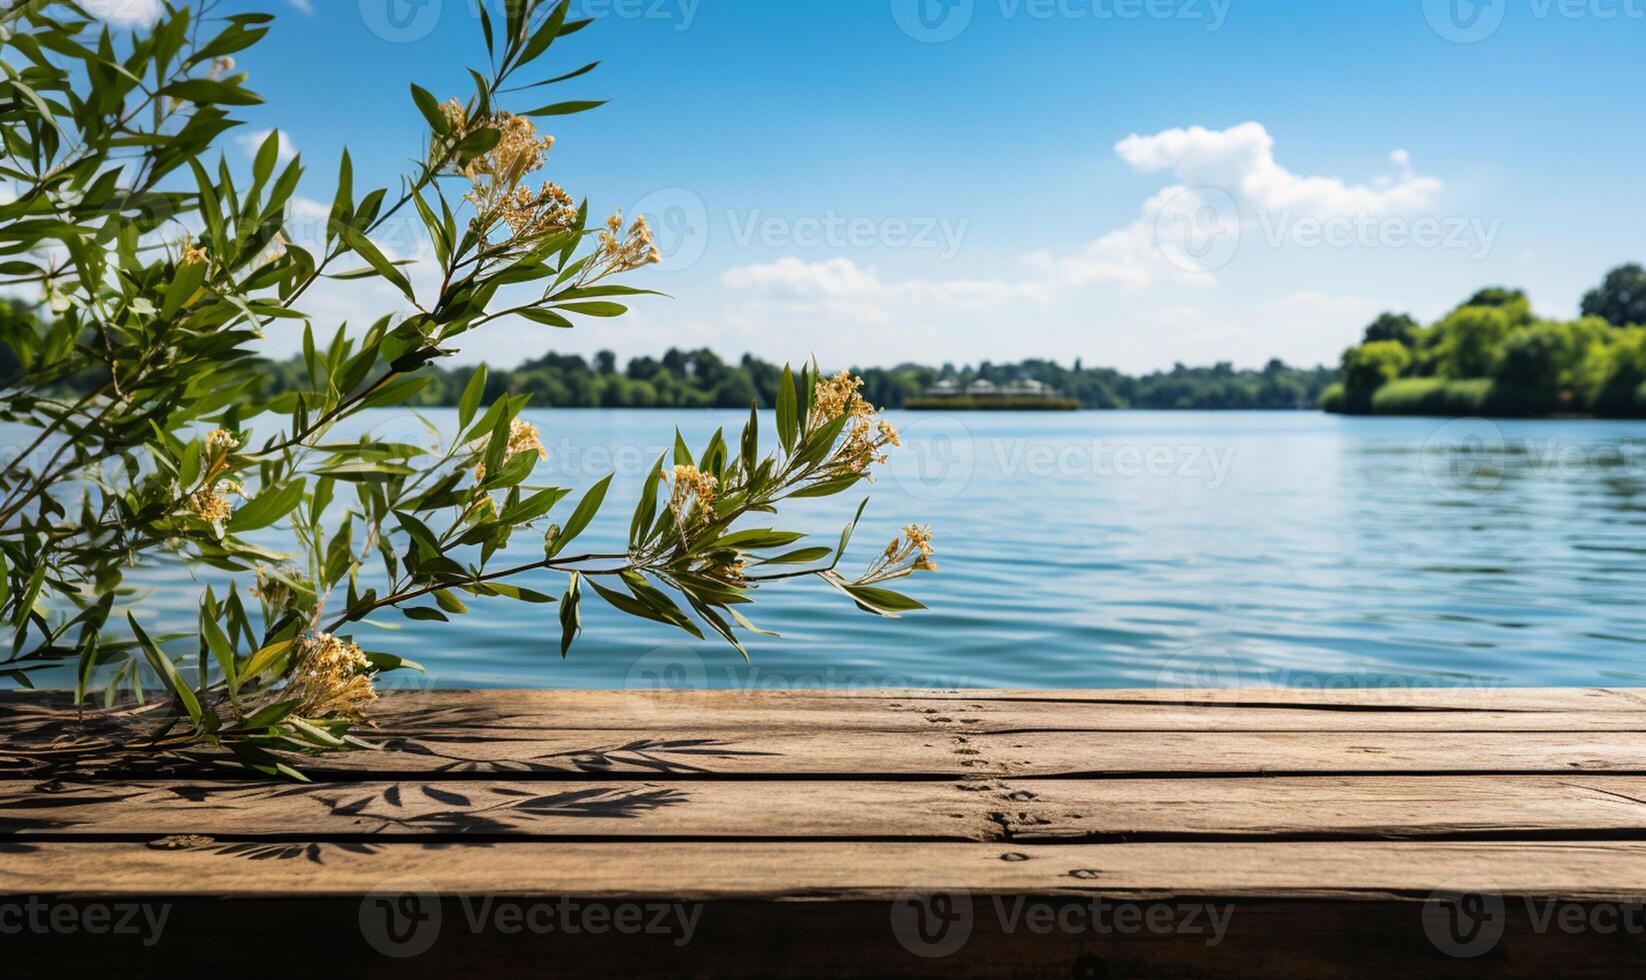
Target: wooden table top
pixel 1328 822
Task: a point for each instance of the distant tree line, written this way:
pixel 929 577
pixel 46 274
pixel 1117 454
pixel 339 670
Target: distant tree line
pixel 702 379
pixel 1493 356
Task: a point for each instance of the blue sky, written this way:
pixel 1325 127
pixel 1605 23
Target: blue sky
pixel 1132 182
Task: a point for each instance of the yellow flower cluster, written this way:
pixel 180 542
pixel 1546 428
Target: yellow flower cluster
pixel 523 438
pixel 330 677
pixel 691 498
pixel 220 442
pixel 193 254
pixel 529 215
pixel 210 506
pixel 621 251
pixel 866 436
pixel 909 553
pixel 210 503
pixel 497 175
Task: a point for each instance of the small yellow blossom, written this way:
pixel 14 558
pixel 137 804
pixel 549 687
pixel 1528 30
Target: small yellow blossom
pixel 209 506
pixel 221 442
pixel 193 254
pixel 330 677
pixel 691 498
pixel 523 438
pixel 865 435
pixel 622 252
pixel 529 215
pixel 496 175
pixel 909 553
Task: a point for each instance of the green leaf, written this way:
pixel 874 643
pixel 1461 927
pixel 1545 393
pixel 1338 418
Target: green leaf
pixel 788 426
pixel 470 402
pixel 268 507
pixel 596 309
pixel 756 539
pixel 586 509
pixel 882 600
pixel 263 659
pixel 449 602
pixel 564 108
pixel 167 670
pixel 429 106
pixel 363 247
pixel 207 92
pixel 571 614
pixel 268 155
pixel 646 510
pixel 800 556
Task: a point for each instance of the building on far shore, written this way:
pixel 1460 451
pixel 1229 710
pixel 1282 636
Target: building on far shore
pixel 984 394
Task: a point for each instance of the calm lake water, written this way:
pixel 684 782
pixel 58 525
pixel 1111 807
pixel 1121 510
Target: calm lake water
pixel 1134 549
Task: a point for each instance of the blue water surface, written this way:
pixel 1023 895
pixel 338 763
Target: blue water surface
pixel 1125 549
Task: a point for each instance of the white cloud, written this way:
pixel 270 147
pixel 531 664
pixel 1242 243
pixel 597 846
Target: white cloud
pixel 252 142
pixel 1156 248
pixel 304 5
pixel 1241 162
pixel 1224 179
pixel 841 288
pixel 125 13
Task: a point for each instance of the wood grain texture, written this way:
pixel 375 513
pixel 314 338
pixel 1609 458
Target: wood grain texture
pixel 803 821
pixel 1380 807
pixel 827 870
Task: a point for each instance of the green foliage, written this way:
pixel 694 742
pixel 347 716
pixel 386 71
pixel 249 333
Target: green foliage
pixel 1620 299
pixel 1398 327
pixel 1492 356
pixel 169 448
pixel 1369 367
pixel 1465 342
pixel 1495 296
pixel 701 379
pixel 1432 396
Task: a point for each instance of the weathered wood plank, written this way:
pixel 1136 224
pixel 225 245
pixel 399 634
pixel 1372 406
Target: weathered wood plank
pixel 837 870
pixel 514 712
pixel 857 755
pixel 1400 807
